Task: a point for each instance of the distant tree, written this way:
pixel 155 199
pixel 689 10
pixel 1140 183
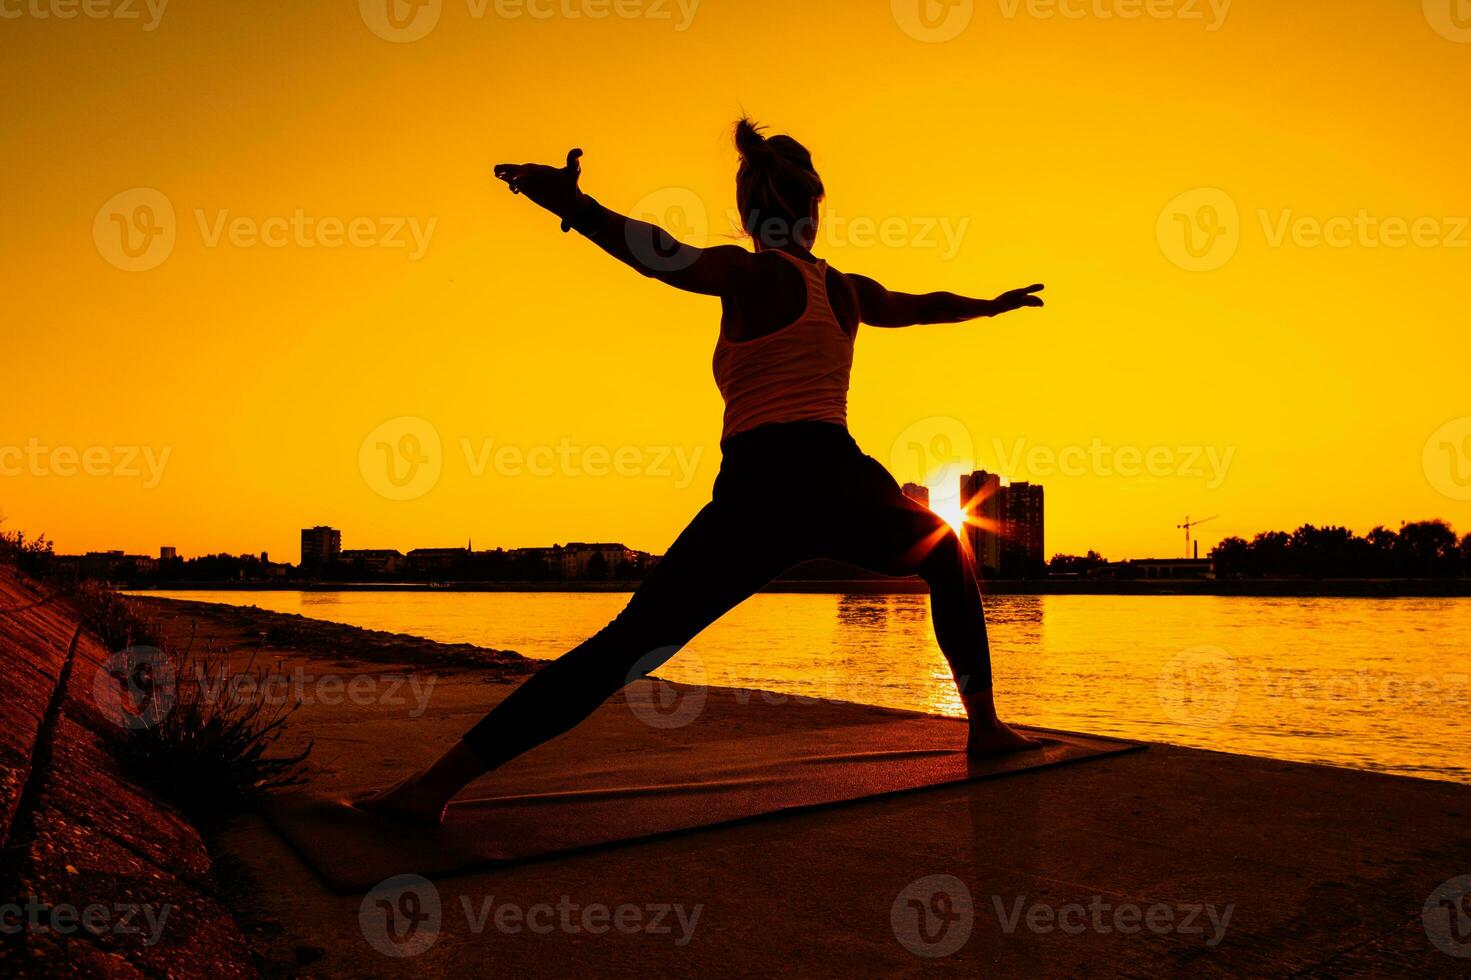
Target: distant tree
pixel 1232 557
pixel 597 567
pixel 1381 543
pixel 1326 552
pixel 1428 549
pixel 1268 555
pixel 1075 565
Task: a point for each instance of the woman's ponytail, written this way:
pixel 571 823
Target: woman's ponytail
pixel 749 141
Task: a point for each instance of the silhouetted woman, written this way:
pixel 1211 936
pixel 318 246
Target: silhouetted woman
pixel 793 484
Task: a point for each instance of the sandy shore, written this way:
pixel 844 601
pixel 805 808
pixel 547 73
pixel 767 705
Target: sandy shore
pixel 1319 870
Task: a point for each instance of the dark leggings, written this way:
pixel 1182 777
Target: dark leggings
pixel 785 494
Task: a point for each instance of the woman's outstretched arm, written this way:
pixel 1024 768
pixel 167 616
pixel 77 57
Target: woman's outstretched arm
pixel 880 307
pixel 646 248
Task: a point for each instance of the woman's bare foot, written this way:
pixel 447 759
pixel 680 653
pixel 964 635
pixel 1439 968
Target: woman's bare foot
pixel 998 738
pixel 406 801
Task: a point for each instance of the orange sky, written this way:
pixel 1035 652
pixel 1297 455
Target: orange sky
pixel 224 396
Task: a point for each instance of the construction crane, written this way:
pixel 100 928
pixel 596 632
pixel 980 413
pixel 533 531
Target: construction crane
pixel 1187 526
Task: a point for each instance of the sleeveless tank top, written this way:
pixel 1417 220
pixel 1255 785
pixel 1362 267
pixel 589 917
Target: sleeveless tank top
pixel 799 373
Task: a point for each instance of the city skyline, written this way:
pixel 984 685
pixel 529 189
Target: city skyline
pixel 986 531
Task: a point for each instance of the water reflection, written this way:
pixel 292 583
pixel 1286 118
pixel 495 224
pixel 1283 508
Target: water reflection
pixel 863 611
pixel 1015 610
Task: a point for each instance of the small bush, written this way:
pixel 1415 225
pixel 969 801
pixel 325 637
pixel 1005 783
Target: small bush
pixel 209 748
pixel 107 615
pixel 193 729
pixel 30 555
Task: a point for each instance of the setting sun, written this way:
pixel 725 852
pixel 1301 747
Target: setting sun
pixel 952 513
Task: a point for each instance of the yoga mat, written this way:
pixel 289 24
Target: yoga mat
pixel 537 808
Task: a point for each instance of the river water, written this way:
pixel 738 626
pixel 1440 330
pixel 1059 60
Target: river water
pixel 1381 684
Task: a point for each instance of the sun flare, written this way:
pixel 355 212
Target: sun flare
pixel 952 513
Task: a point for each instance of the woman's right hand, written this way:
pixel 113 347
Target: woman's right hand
pixel 1016 299
pixel 554 188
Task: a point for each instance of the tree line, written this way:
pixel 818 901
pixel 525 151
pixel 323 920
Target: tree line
pixel 1419 549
